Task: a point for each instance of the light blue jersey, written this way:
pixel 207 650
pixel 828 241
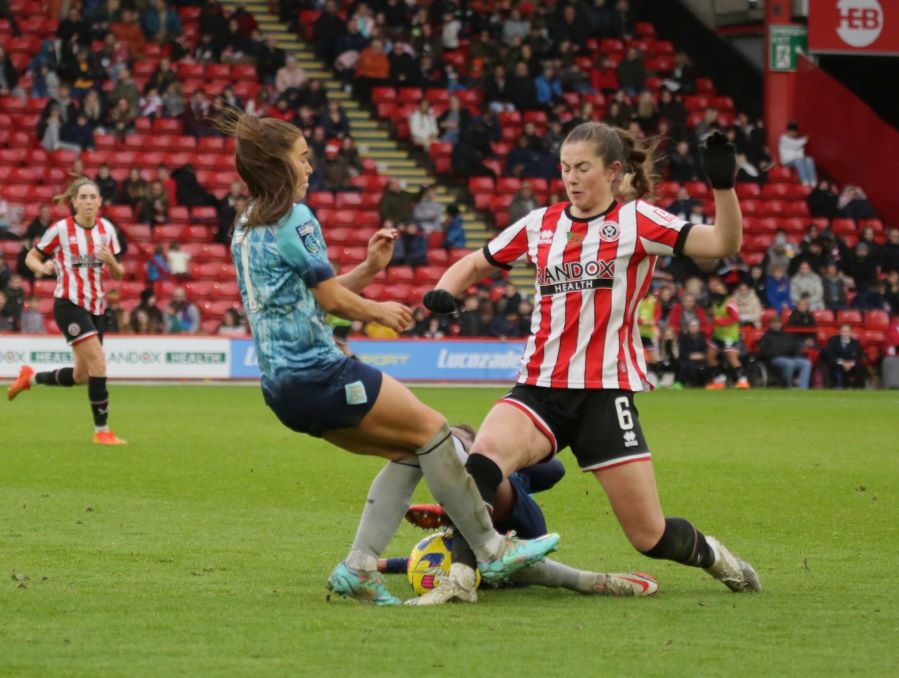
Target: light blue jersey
pixel 277 268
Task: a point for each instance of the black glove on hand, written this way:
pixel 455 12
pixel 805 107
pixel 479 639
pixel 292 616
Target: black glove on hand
pixel 440 301
pixel 719 160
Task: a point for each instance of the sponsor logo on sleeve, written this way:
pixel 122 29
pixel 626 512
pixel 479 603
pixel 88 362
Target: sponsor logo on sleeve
pixel 307 237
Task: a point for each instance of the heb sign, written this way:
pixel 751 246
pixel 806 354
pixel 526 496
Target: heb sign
pixel 853 26
pixel 141 357
pixel 414 360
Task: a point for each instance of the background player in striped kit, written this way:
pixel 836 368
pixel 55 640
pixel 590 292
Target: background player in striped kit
pixel 584 359
pixel 81 245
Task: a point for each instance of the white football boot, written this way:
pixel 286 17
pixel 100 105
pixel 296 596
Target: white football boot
pixel 735 574
pixel 459 586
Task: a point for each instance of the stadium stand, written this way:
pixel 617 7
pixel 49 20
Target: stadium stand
pixel 503 94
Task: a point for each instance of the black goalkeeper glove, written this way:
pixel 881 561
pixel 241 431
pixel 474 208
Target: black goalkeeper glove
pixel 440 301
pixel 719 160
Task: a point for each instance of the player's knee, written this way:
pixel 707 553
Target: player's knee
pixel 488 444
pixel 644 537
pixel 80 374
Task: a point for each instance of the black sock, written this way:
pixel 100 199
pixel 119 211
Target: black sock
pixel 462 552
pixel 683 543
pixel 486 475
pixel 64 376
pixel 99 397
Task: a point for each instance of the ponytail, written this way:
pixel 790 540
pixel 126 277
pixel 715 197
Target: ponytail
pixel 639 176
pixel 263 162
pixel 638 158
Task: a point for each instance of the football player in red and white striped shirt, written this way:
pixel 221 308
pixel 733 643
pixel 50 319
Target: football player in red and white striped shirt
pixel 583 362
pixel 80 246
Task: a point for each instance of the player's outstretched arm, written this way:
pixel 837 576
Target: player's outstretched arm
pixel 380 252
pixel 725 237
pixel 458 278
pixel 338 300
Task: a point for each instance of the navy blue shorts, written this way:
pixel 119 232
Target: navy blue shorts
pixel 527 517
pixel 340 400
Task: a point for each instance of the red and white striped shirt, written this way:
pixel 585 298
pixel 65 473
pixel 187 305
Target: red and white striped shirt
pixel 79 273
pixel 591 276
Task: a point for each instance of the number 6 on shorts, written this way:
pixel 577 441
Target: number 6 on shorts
pixel 625 420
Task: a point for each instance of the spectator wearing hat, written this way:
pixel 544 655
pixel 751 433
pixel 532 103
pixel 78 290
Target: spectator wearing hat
pixel 784 351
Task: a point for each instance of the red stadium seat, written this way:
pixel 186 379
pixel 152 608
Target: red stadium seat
pixel 779 173
pixel 851 316
pixel 438 257
pixel 318 199
pixel 428 275
pixel 877 320
pixel 204 271
pixel 409 95
pixel 167 233
pixel 338 235
pixel 383 95
pixel 400 274
pixel 748 189
pixel 118 213
pixel 226 290
pixel 179 214
pixel 349 199
pixel 480 184
pixel 824 317
pixel 214 251
pixel 203 214
pixel 196 233
pixel 508 185
pixel 844 227
pixel 201 289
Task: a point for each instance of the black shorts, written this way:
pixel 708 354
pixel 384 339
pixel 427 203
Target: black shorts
pixel 601 427
pixel 726 346
pixel 77 323
pixel 339 399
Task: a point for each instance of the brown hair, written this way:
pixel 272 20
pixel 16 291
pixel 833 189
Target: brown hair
pixel 638 158
pixel 71 191
pixel 263 161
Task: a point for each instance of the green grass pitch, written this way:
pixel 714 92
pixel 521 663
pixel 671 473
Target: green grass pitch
pixel 203 547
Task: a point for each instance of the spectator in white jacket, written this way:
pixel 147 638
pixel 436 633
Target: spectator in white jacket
pixel 807 282
pixel 791 149
pixel 423 126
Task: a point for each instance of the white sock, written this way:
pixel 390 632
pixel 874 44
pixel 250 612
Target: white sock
pixel 101 429
pixel 451 485
pixel 556 575
pixel 386 504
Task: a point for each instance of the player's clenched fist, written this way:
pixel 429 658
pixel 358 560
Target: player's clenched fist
pixel 440 301
pixel 719 160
